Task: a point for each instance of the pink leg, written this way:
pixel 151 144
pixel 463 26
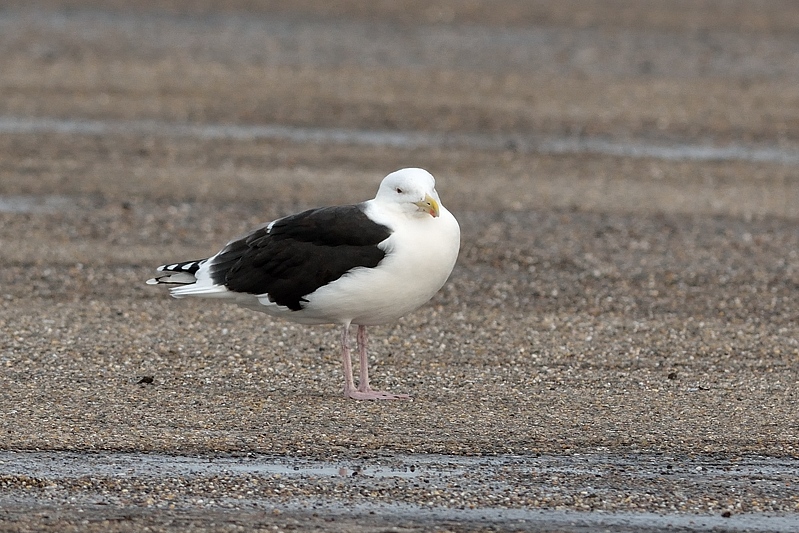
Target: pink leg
pixel 349 385
pixel 363 378
pixel 364 391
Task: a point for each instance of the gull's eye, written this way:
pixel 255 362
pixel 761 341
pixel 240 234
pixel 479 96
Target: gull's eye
pixel 399 191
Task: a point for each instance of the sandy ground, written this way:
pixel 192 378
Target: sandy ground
pixel 604 305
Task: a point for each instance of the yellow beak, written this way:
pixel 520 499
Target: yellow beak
pixel 429 205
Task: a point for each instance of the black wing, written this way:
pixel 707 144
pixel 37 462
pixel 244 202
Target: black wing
pixel 300 253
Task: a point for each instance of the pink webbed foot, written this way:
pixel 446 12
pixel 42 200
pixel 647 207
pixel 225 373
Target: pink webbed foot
pixel 371 394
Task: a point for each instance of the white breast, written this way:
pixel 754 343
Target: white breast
pixel 420 255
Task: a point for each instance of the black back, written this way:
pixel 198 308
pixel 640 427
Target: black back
pixel 300 253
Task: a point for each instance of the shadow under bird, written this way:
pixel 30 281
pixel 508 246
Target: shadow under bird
pixel 363 264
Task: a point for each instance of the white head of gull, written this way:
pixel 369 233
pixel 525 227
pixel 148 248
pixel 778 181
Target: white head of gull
pixel 361 264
